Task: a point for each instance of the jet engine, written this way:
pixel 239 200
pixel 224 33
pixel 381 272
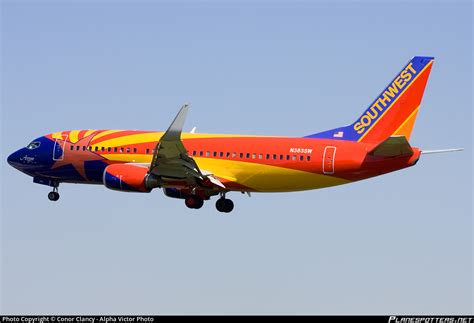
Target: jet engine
pixel 127 178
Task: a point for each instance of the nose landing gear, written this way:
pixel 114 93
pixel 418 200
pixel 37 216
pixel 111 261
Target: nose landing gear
pixel 54 195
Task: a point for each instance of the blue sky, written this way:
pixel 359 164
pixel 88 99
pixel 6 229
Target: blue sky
pixel 401 243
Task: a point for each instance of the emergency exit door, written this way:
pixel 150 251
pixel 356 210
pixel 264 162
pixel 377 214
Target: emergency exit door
pixel 328 159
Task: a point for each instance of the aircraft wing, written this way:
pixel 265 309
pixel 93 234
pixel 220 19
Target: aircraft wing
pixel 171 161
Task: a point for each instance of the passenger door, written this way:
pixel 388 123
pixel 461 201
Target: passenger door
pixel 58 150
pixel 328 159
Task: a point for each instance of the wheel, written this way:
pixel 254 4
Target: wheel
pixel 220 205
pixel 194 202
pixel 224 205
pixel 53 196
pixel 229 205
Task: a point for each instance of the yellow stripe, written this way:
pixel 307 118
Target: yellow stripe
pixel 143 137
pixel 104 133
pixel 393 103
pixel 57 135
pixel 73 135
pixel 406 120
pixel 265 178
pixel 131 139
pixel 155 137
pixel 89 132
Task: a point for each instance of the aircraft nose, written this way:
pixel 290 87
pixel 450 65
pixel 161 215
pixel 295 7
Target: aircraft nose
pixel 14 159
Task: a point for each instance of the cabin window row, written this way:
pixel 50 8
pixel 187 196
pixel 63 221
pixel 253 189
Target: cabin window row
pixel 250 155
pixel 108 149
pixel 200 153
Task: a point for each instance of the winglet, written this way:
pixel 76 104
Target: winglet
pixel 176 127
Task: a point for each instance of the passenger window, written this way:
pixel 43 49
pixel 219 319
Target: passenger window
pixel 260 156
pixel 254 155
pixel 208 154
pixel 281 157
pixel 96 148
pixel 78 147
pixel 221 154
pixel 308 158
pixel 287 157
pixel 135 150
pixel 301 158
pixel 200 153
pixel 215 154
pixel 115 149
pixel 234 155
pixel 83 148
pixel 72 147
pixel 241 155
pixel 227 154
pixel 274 156
pixel 294 157
pixel 268 156
pixel 247 155
pixel 102 149
pixel 194 153
pixel 109 149
pixel 90 148
pixel 121 149
pixel 128 150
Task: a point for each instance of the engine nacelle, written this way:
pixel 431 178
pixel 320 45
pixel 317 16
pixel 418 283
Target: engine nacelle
pixel 183 193
pixel 126 178
pixel 175 193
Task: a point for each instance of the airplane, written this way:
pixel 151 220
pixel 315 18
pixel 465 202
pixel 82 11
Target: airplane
pixel 197 166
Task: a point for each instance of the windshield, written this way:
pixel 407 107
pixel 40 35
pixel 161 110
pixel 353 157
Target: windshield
pixel 33 145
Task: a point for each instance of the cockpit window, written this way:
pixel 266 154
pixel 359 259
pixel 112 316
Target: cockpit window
pixel 34 145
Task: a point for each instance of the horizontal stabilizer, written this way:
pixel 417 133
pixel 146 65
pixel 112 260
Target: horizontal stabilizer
pixel 395 146
pixel 427 152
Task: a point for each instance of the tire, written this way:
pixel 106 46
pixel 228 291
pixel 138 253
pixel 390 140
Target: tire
pixel 229 205
pixel 220 205
pixel 224 205
pixel 194 202
pixel 53 196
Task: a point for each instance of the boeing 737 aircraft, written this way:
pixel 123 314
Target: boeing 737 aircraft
pixel 195 167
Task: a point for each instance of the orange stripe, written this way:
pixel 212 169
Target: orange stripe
pixel 406 127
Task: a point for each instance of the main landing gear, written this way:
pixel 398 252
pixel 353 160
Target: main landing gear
pixel 54 195
pixel 194 202
pixel 224 205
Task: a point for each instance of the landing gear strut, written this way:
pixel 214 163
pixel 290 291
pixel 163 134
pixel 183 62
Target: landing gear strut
pixel 54 195
pixel 194 202
pixel 224 205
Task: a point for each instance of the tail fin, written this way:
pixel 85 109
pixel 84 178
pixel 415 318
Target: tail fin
pixel 393 112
